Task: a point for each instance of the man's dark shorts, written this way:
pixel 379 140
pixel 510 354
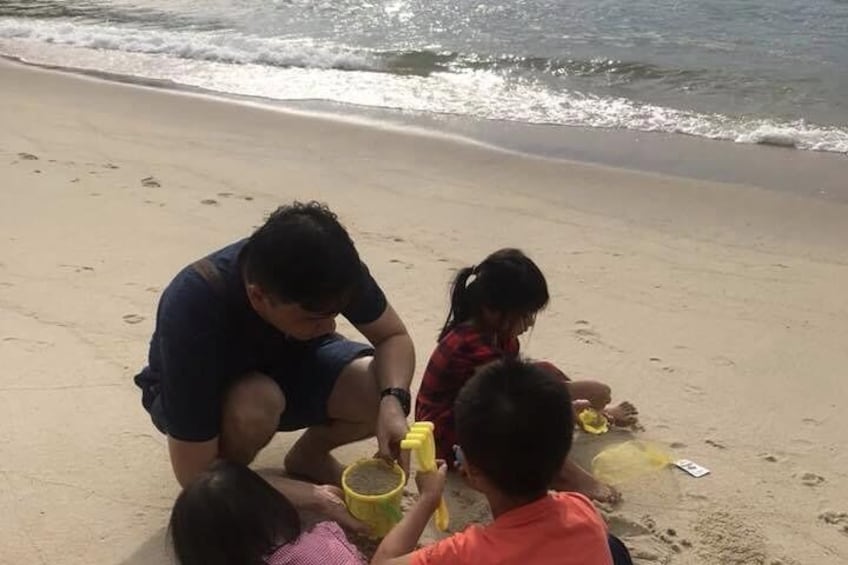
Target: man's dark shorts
pixel 306 375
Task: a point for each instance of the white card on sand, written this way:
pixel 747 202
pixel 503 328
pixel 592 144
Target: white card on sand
pixel 692 468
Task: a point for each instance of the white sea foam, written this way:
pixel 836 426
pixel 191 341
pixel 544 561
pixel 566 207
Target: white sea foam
pixel 224 46
pixel 296 69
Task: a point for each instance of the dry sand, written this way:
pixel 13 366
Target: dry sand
pixel 720 310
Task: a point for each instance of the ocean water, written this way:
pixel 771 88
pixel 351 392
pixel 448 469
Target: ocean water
pixel 749 71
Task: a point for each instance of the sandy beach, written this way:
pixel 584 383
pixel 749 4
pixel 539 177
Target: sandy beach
pixel 720 310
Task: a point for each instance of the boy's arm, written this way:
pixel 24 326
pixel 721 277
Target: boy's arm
pixel 397 547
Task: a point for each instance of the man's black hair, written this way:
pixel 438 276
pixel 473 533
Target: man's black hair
pixel 303 255
pixel 514 423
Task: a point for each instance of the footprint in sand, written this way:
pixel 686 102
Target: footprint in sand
pixel 133 318
pixel 837 519
pixel 723 361
pixel 811 479
pixel 28 157
pixel 77 268
pixel 231 195
pixel 209 202
pixel 623 526
pixel 768 457
pixel 150 182
pixel 693 389
pixel 110 166
pixel 645 540
pixel 715 444
pixel 585 333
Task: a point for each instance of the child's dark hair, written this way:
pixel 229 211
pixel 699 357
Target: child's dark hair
pixel 229 515
pixel 507 281
pixel 302 254
pixel 514 423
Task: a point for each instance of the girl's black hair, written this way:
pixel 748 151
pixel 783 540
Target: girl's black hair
pixel 229 515
pixel 507 281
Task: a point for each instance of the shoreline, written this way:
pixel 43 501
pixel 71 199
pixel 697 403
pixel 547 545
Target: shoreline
pixel 817 174
pixel 718 309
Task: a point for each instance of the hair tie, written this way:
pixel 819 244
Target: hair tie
pixel 472 277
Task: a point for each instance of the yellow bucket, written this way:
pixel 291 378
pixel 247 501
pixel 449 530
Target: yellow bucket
pixel 380 511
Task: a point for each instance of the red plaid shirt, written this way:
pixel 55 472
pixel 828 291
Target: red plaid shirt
pixel 457 357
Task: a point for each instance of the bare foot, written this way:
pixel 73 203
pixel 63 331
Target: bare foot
pixel 623 415
pixel 572 477
pixel 319 468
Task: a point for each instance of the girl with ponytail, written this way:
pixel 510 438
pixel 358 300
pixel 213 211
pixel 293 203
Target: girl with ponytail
pixel 492 304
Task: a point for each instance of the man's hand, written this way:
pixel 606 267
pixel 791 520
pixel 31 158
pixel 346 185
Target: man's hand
pixel 391 429
pixel 431 484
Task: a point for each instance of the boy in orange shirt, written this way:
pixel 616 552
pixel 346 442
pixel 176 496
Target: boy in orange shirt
pixel 514 424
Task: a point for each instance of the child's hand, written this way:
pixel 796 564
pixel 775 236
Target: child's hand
pixel 578 406
pixel 330 503
pixel 431 484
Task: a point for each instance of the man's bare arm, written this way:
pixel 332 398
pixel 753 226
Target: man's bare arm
pixel 190 458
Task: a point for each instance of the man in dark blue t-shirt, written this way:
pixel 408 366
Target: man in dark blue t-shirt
pixel 245 346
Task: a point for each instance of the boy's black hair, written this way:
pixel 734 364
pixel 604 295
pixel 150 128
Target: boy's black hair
pixel 514 423
pixel 229 515
pixel 507 281
pixel 303 255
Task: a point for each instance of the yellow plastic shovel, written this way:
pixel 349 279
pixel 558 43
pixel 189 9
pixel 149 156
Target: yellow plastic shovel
pixel 420 439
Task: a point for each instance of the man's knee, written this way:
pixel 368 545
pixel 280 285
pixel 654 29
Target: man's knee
pixel 252 409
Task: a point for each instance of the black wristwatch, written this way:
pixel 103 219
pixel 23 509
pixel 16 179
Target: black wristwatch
pixel 402 396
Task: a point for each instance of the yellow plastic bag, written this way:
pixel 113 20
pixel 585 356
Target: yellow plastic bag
pixel 628 461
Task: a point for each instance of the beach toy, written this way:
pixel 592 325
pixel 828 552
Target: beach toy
pixel 628 461
pixel 420 439
pixel 593 421
pixel 373 490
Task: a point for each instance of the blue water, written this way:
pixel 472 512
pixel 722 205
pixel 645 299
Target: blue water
pixel 754 71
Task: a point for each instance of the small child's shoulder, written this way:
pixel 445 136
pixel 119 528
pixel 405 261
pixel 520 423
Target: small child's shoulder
pixel 463 335
pixel 575 500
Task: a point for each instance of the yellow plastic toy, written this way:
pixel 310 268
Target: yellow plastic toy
pixel 380 511
pixel 593 421
pixel 420 439
pixel 628 461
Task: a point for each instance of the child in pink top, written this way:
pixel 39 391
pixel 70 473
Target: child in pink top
pixel 229 515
